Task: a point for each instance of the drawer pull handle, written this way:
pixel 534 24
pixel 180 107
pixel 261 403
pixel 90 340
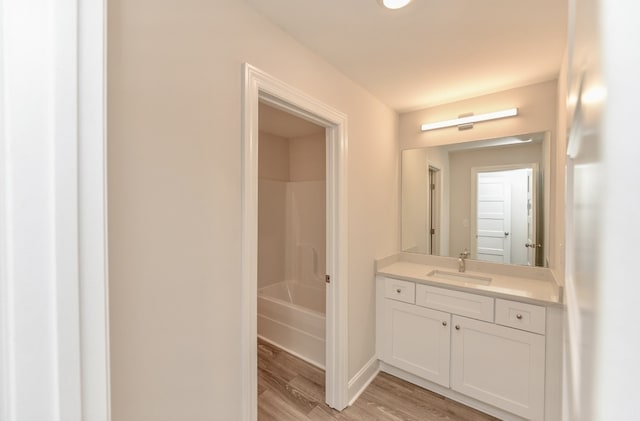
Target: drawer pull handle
pixel 519 316
pixel 457 327
pixel 444 323
pixel 398 290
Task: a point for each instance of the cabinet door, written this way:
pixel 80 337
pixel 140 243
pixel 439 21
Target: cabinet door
pixel 499 365
pixel 417 340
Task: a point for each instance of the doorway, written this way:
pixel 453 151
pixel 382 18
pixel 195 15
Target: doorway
pixel 435 187
pixel 292 234
pixel 504 214
pixel 259 87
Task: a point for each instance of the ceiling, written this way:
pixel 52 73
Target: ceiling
pixel 279 123
pixel 432 51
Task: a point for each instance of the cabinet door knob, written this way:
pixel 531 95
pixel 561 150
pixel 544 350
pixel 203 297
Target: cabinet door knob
pixel 519 316
pixel 444 323
pixel 457 327
pixel 398 290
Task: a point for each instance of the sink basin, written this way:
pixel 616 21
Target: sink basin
pixel 459 276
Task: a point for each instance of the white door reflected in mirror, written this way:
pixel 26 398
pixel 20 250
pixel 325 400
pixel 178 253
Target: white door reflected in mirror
pixel 440 198
pixel 504 215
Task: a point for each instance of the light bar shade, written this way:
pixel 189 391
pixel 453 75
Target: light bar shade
pixel 511 112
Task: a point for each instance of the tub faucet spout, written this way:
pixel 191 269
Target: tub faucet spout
pixel 461 260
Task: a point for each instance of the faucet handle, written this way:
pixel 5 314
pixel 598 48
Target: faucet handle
pixel 464 253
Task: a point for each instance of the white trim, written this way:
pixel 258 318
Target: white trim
pixel 40 324
pixel 65 253
pixel 363 379
pixel 92 210
pixel 53 334
pixel 258 85
pixel 6 371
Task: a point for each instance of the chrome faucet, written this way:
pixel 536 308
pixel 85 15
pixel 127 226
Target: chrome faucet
pixel 461 262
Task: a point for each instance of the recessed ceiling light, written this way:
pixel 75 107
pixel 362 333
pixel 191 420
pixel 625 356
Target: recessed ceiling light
pixel 394 4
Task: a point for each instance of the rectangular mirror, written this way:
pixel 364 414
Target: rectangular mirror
pixel 488 197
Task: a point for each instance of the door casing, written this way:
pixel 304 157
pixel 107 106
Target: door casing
pixel 260 86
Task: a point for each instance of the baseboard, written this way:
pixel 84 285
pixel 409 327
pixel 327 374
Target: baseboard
pixel 362 379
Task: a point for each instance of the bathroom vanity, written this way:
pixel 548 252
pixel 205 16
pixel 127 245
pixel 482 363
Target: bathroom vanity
pixel 489 337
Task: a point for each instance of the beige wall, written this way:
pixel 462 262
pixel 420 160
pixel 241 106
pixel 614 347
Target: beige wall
pixel 537 113
pixel 273 157
pixel 174 164
pixel 415 201
pixel 273 174
pixel 272 226
pixel 307 158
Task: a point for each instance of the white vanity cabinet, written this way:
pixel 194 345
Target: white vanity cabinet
pixel 499 365
pixel 477 346
pixel 418 340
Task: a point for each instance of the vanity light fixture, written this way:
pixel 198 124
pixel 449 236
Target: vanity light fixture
pixel 466 122
pixel 394 4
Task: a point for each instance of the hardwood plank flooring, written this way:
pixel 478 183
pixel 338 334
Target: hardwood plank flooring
pixel 290 389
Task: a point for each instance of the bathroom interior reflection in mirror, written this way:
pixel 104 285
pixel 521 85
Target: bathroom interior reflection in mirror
pixel 487 197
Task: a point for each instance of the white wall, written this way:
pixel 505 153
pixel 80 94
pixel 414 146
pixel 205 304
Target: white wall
pixel 617 366
pixel 174 85
pixel 558 154
pixel 601 347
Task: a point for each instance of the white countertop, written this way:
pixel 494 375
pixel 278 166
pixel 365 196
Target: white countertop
pixel 536 287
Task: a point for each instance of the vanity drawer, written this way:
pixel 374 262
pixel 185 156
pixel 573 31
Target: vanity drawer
pixel 523 316
pixel 400 290
pixel 456 302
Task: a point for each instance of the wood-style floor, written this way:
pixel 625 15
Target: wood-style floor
pixel 291 389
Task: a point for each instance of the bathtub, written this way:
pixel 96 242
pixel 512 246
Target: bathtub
pixel 291 315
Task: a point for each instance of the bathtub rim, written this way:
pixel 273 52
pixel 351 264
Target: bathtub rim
pixel 262 295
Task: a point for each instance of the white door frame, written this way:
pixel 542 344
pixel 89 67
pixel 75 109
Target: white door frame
pixel 259 86
pixel 435 207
